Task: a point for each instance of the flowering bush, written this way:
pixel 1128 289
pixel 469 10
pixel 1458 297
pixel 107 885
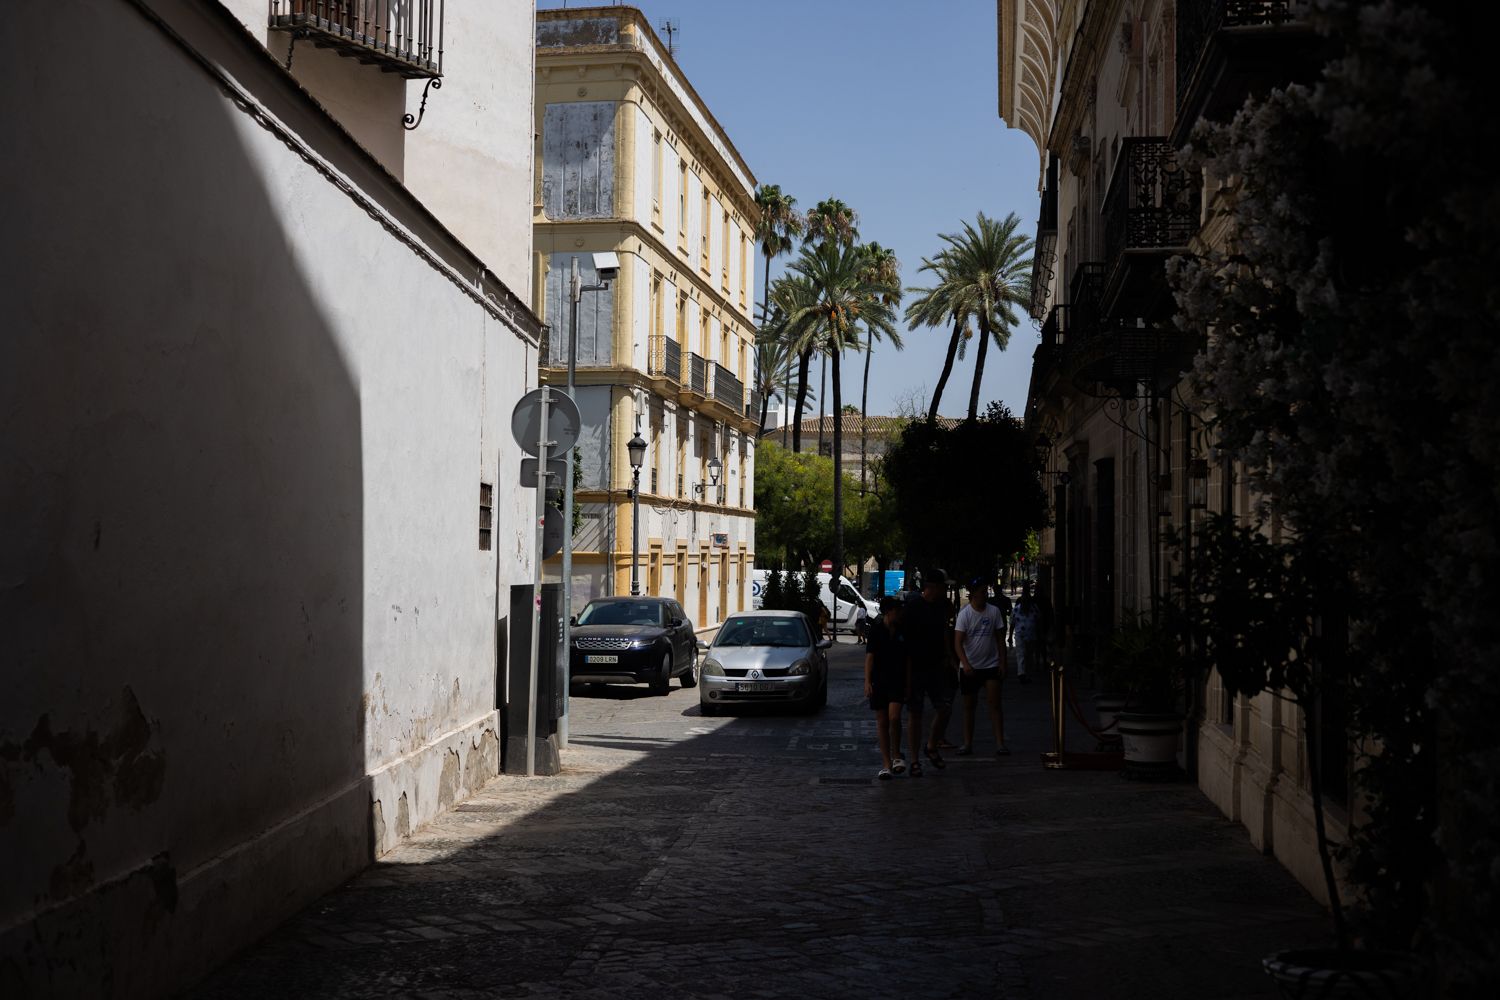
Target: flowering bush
pixel 1353 366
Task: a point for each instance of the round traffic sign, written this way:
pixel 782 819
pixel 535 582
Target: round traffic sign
pixel 826 566
pixel 563 420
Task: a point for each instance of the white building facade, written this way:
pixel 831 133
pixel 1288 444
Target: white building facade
pixel 262 346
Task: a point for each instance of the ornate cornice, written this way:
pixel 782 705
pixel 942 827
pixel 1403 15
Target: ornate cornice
pixel 1028 53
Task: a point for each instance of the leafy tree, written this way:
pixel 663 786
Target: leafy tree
pixel 1353 368
pixel 774 593
pixel 965 495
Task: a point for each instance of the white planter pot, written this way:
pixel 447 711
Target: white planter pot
pixel 1107 707
pixel 1150 739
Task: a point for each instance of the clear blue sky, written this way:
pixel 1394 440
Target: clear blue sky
pixel 890 105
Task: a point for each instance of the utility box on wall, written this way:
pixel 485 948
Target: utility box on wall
pixel 550 675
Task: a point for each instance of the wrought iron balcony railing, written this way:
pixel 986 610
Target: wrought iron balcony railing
pixel 697 374
pixel 752 404
pixel 665 358
pixel 727 389
pixel 1152 202
pixel 399 36
pixel 1222 54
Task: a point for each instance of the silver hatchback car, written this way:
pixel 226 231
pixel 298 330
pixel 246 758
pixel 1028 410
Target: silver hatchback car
pixel 764 657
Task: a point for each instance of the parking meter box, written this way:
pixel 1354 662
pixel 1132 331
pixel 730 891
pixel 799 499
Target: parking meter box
pixel 549 693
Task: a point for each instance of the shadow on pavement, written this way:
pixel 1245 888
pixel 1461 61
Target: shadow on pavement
pixel 756 856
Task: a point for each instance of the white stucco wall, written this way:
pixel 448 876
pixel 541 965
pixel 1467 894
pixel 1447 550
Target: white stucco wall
pixel 251 399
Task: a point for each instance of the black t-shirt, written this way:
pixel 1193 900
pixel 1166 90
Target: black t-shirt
pixel 888 652
pixel 927 633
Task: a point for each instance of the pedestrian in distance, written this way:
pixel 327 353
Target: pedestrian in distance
pixel 887 680
pixel 979 641
pixel 933 675
pixel 1026 631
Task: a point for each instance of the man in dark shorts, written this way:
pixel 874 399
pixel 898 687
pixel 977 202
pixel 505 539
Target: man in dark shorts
pixel 887 678
pixel 932 676
pixel 979 641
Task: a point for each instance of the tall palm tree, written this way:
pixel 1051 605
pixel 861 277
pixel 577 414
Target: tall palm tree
pixel 790 297
pixel 883 269
pixel 844 296
pixel 832 220
pixel 776 231
pixel 940 305
pixel 991 265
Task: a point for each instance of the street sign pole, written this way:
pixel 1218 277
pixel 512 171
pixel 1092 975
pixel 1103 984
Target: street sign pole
pixel 575 293
pixel 536 593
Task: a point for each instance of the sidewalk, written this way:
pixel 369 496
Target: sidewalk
pixel 756 856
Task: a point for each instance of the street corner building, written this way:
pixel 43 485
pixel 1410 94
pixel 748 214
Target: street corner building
pixel 266 273
pixel 631 162
pixel 1109 92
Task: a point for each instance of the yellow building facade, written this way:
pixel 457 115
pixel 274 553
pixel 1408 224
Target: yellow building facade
pixel 1109 91
pixel 630 161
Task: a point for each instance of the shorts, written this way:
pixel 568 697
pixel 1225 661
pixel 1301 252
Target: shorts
pixel 885 690
pixel 973 683
pixel 934 684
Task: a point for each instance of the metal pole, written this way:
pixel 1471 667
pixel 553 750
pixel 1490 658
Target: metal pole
pixel 536 596
pixel 575 295
pixel 635 534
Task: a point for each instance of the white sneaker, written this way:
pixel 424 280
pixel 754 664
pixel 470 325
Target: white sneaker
pixel 898 765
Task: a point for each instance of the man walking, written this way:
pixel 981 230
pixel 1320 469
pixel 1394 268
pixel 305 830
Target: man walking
pixel 932 674
pixel 887 679
pixel 1026 632
pixel 979 640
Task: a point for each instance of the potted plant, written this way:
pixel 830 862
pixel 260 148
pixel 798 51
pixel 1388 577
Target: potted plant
pixel 1145 660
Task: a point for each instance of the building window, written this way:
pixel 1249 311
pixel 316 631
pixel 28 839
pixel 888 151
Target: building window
pixel 744 266
pixel 656 179
pixel 486 515
pixel 703 263
pixel 724 256
pixel 682 189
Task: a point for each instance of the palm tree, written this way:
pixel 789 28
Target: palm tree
pixel 790 297
pixel 938 306
pixel 833 220
pixel 883 269
pixel 844 296
pixel 776 230
pixel 772 362
pixel 991 268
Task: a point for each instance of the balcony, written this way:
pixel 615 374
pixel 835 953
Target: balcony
pixel 665 359
pixel 1044 256
pixel 1228 50
pixel 752 404
pixel 399 36
pixel 1151 211
pixel 727 389
pixel 697 376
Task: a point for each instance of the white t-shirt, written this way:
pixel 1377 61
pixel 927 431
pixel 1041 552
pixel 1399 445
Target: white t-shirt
pixel 979 629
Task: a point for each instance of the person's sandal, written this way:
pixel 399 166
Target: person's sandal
pixel 916 769
pixel 963 751
pixel 898 765
pixel 884 775
pixel 1003 751
pixel 936 759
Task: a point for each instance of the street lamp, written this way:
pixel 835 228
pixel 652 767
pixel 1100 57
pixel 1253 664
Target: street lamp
pixel 715 469
pixel 1198 484
pixel 637 448
pixel 1164 494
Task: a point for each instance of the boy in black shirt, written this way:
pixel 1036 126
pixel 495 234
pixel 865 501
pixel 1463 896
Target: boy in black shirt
pixel 887 683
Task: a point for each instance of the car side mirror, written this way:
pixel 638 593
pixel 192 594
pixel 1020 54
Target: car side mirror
pixel 573 620
pixel 676 623
pixel 825 643
pixel 702 646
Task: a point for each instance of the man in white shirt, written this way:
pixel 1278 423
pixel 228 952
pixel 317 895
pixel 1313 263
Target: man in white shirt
pixel 979 639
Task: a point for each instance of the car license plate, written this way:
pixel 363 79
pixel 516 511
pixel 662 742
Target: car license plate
pixel 751 686
pixel 600 658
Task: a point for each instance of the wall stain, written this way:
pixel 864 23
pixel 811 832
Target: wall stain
pixel 448 781
pixel 403 818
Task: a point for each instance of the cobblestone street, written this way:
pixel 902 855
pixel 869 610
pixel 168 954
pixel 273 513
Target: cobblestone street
pixel 756 856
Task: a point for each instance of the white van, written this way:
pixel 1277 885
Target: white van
pixel 849 607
